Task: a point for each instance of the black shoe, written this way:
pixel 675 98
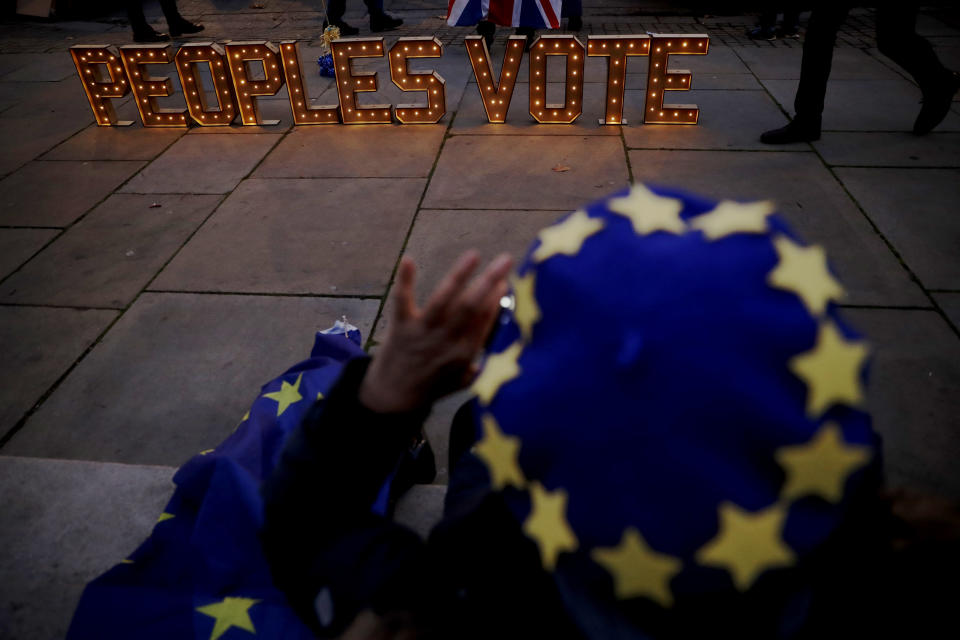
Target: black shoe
pixel 383 22
pixel 531 34
pixel 150 36
pixel 786 31
pixel 936 104
pixel 574 23
pixel 184 26
pixel 487 29
pixel 345 29
pixel 796 131
pixel 762 33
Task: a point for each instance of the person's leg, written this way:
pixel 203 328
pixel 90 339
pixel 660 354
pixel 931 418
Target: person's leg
pixel 379 20
pixel 765 27
pixel 898 40
pixel 335 11
pixel 815 65
pixel 791 20
pixel 817 60
pixel 142 32
pixel 177 23
pixel 572 10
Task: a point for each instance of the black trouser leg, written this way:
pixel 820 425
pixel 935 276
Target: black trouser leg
pixel 135 14
pixel 825 21
pixel 768 19
pixel 170 12
pixel 335 10
pixel 898 40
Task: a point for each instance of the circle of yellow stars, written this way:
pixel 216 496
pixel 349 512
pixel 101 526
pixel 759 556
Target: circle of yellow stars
pixel 748 542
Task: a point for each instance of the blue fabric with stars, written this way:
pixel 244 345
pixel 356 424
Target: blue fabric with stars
pixel 209 550
pixel 655 388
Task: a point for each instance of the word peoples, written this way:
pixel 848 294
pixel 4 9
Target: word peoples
pixel 108 75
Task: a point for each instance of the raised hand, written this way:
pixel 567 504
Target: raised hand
pixel 430 352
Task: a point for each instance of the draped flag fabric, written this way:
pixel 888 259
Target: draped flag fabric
pixel 539 14
pixel 201 574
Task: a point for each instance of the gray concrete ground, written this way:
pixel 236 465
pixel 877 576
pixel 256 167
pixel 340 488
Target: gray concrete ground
pixel 134 335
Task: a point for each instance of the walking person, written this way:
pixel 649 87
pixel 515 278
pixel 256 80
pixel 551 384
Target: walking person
pixel 143 32
pixel 896 38
pixel 379 19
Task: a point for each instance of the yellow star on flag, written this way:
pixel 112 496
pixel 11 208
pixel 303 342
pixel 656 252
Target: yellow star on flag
pixel 649 212
pixel 566 237
pixel 547 524
pixel 803 270
pixel 821 466
pixel 831 370
pixel 231 612
pixel 747 544
pixel 206 451
pixel 165 516
pixel 126 561
pixel 731 217
pixel 500 453
pixel 638 570
pixel 526 312
pixel 319 395
pixel 288 395
pixel 499 369
pixel 245 417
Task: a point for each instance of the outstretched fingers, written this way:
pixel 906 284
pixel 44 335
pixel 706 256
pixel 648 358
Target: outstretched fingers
pixel 404 306
pixel 449 288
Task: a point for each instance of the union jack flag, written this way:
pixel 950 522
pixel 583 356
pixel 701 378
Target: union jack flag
pixel 539 14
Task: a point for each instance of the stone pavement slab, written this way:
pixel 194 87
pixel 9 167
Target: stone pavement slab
pixel 66 522
pixel 203 164
pixel 950 303
pixel 864 105
pixel 39 345
pixel 773 63
pixel 890 149
pixel 374 151
pixel 17 245
pixel 517 172
pixel 39 119
pixel 55 193
pixel 108 257
pixel 728 120
pixel 809 197
pixel 917 212
pixel 176 373
pixel 471 117
pixel 42 67
pixel 311 236
pixel 115 143
pixel 913 395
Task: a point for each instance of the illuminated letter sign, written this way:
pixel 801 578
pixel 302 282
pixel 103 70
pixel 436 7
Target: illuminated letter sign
pixel 570 48
pixel 659 80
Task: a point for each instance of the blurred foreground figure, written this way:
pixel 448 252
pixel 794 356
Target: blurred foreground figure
pixel 896 38
pixel 667 440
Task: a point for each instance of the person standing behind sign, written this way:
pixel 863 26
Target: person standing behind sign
pixel 143 32
pixel 526 15
pixel 379 20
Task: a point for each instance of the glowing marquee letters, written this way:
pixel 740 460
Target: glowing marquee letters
pixel 147 89
pixel 91 61
pixel 237 82
pixel 571 108
pixel 187 58
pixel 495 97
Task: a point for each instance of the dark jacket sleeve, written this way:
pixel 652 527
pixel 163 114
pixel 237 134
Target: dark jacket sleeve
pixel 328 552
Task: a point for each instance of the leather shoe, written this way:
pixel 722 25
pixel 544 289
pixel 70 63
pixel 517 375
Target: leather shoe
pixel 345 29
pixel 936 104
pixel 150 36
pixel 384 22
pixel 185 26
pixel 796 131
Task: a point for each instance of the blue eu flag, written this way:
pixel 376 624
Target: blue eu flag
pixel 201 573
